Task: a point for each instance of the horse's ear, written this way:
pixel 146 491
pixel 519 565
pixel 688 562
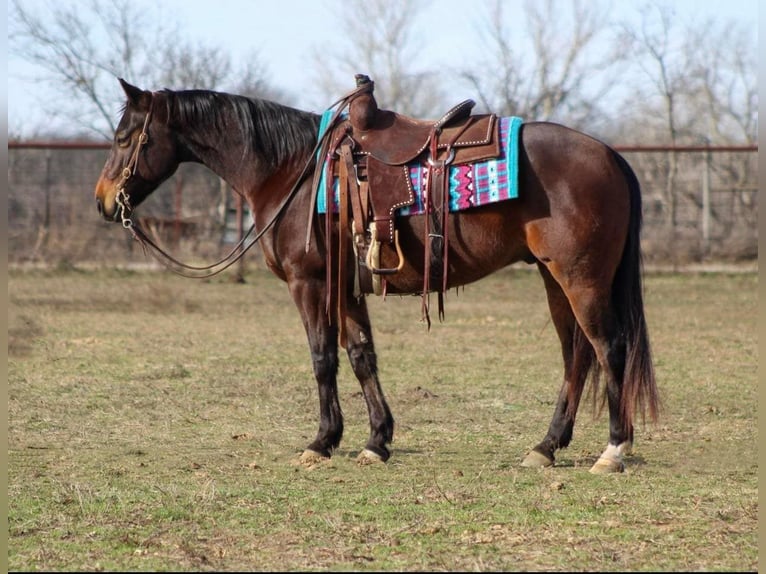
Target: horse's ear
pixel 136 96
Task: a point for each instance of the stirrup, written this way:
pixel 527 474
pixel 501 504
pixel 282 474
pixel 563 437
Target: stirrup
pixel 373 259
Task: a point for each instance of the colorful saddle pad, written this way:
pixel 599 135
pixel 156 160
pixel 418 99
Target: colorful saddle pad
pixel 471 185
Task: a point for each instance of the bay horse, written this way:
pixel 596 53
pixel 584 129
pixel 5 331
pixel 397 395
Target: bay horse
pixel 577 218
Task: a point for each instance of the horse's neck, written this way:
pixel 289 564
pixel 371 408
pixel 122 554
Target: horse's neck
pixel 263 185
pixel 226 155
pixel 284 135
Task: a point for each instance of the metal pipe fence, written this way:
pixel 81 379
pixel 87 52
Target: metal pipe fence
pixel 700 204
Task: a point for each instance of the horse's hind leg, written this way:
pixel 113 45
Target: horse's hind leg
pixel 323 344
pixel 578 356
pixel 593 309
pixel 361 354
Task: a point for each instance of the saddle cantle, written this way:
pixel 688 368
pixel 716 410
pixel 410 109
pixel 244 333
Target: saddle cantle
pixel 369 152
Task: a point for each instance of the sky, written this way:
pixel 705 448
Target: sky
pixel 285 32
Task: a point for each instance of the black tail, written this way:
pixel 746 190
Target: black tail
pixel 639 388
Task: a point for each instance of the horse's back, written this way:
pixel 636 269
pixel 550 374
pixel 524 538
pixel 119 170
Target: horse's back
pixel 573 205
pixel 557 156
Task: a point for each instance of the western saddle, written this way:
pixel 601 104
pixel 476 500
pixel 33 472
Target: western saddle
pixel 369 151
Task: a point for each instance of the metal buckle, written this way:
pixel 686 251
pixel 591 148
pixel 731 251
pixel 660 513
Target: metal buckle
pixel 440 163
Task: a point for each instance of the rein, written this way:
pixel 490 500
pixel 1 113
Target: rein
pixel 123 201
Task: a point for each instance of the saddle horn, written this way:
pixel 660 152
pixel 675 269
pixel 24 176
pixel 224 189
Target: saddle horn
pixel 363 108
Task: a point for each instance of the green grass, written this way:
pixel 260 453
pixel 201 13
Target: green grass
pixel 155 425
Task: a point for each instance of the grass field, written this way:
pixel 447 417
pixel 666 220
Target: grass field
pixel 155 424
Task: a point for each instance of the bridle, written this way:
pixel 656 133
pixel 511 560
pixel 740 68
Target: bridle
pixel 125 211
pixel 122 199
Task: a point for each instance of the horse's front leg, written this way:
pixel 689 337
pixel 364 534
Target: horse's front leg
pixel 309 296
pixel 361 354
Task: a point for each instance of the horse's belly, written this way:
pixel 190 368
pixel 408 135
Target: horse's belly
pixel 480 242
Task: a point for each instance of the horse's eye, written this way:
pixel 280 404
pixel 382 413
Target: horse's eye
pixel 122 139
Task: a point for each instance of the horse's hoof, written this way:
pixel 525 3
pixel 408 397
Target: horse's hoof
pixel 607 466
pixel 536 460
pixel 311 458
pixel 368 457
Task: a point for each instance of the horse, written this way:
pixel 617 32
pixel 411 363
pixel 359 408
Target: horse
pixel 577 219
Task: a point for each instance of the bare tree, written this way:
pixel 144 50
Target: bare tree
pixel 81 48
pixel 701 77
pixel 664 69
pixel 700 88
pixel 554 63
pixel 382 48
pixel 253 79
pixel 727 87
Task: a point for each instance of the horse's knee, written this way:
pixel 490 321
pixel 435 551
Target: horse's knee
pixel 325 365
pixel 363 360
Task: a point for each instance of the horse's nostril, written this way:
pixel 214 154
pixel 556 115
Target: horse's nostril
pixel 100 207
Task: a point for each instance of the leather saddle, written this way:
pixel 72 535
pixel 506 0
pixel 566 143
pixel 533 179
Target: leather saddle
pixel 370 153
pixel 384 143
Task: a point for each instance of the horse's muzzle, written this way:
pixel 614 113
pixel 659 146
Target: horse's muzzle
pixel 113 217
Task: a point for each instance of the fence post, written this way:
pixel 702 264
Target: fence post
pixel 706 203
pixel 240 276
pixel 48 184
pixel 178 196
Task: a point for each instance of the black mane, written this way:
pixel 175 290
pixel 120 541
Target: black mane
pixel 274 132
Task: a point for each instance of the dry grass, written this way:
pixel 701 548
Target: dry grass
pixel 155 422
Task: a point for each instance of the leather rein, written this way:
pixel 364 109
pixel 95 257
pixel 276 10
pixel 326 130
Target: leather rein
pixel 203 272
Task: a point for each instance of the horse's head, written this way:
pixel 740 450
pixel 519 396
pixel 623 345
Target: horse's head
pixel 143 155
